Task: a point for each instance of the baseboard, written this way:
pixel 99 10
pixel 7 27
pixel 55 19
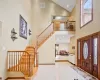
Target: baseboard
pixel 72 63
pixel 46 63
pixel 61 60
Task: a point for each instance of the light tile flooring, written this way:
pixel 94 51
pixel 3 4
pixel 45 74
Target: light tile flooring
pixel 59 71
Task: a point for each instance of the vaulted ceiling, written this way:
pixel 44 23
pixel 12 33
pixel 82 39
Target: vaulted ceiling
pixel 66 4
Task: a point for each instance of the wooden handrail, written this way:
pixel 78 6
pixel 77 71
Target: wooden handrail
pixel 44 30
pixel 18 51
pixel 45 35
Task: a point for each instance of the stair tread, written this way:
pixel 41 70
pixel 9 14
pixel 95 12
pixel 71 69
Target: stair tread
pixel 15 78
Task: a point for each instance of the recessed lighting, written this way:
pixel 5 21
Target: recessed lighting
pixel 67 6
pixel 63 36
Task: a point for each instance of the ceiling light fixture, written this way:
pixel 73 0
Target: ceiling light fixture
pixel 67 6
pixel 58 17
pixel 63 36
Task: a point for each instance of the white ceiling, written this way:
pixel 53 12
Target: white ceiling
pixel 63 37
pixel 66 4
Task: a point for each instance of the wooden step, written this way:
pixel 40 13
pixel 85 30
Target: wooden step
pixel 15 78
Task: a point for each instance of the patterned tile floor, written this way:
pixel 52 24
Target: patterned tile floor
pixel 84 74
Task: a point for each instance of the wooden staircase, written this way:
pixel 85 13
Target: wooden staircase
pixel 39 45
pixel 26 61
pixel 22 61
pixel 45 35
pixel 49 31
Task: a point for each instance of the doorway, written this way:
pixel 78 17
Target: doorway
pixel 56 49
pixel 88 53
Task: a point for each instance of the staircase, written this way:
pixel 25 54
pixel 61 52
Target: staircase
pixel 49 31
pixel 21 61
pixel 25 63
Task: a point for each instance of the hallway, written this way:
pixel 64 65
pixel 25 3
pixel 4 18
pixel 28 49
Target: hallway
pixel 59 71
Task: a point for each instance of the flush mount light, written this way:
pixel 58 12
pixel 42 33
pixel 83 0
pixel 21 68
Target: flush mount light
pixel 67 6
pixel 58 17
pixel 63 36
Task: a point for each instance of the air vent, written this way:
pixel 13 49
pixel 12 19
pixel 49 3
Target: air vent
pixel 42 5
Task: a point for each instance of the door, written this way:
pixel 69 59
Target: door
pixel 56 49
pixel 56 25
pixel 86 54
pixel 62 27
pixel 95 55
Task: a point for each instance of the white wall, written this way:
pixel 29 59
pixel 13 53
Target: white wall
pixel 9 16
pixel 93 26
pixel 42 17
pixel 64 46
pixel 68 46
pixel 72 43
pixel 47 51
pixel 90 28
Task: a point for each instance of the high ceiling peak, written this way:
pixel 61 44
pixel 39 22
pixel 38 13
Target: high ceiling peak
pixel 66 4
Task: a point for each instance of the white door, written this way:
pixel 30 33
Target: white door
pixel 62 26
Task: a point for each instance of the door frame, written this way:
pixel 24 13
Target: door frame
pixel 90 56
pixel 99 55
pixel 91 39
pixel 96 35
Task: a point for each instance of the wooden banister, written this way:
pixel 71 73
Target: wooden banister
pixel 23 61
pixel 19 61
pixel 44 35
pixel 44 30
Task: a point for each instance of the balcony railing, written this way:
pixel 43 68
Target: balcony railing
pixel 65 26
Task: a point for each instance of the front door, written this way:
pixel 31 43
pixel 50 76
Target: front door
pixel 86 55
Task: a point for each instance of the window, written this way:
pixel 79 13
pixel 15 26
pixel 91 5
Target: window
pixel 95 50
pixel 86 12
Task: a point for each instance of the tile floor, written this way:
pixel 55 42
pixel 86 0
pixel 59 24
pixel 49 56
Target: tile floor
pixel 59 71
